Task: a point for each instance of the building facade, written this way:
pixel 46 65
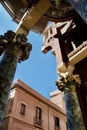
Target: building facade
pixel 28 110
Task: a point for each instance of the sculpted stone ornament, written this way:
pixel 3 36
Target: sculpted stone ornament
pixel 10 40
pixel 15 49
pixel 67 78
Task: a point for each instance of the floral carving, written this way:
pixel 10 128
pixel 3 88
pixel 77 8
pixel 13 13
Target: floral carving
pixel 67 78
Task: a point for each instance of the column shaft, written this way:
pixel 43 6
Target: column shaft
pixel 73 110
pixel 7 70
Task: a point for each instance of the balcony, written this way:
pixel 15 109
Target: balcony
pixel 75 56
pixel 78 54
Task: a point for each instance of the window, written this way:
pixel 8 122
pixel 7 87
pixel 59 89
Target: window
pixel 56 123
pixel 38 115
pixel 22 109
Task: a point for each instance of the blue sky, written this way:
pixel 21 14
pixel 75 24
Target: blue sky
pixel 39 71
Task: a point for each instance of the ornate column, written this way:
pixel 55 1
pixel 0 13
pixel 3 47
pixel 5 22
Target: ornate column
pixel 15 49
pixel 68 83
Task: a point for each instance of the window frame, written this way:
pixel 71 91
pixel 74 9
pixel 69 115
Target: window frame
pixel 22 108
pixel 38 115
pixel 56 123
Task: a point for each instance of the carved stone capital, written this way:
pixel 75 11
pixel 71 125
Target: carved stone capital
pixel 66 79
pixel 16 44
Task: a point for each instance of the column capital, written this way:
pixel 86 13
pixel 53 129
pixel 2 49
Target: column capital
pixel 16 43
pixel 66 79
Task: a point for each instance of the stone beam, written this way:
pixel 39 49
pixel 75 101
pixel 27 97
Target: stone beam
pixel 32 16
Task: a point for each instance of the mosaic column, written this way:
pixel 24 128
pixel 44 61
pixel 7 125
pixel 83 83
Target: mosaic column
pixel 14 49
pixel 68 83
